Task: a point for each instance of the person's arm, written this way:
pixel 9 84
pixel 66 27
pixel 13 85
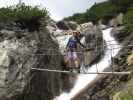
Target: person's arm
pixel 67 44
pixel 80 42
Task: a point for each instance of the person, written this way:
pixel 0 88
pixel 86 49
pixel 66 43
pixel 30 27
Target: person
pixel 71 47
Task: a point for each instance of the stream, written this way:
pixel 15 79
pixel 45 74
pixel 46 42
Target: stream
pixel 83 80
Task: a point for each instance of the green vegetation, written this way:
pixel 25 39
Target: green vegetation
pixel 104 11
pixel 126 93
pixel 128 20
pixel 24 16
pixel 122 5
pixel 78 17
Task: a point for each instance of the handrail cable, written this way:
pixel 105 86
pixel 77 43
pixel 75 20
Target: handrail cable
pixel 63 71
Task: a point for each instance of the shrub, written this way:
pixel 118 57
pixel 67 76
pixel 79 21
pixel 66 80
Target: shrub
pixel 122 5
pixel 25 16
pixel 128 19
pixel 104 10
pixel 78 17
pixel 6 15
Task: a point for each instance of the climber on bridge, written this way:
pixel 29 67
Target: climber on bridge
pixel 72 58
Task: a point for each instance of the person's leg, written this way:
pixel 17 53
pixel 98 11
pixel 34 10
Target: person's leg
pixel 76 59
pixel 76 63
pixel 66 59
pixel 70 59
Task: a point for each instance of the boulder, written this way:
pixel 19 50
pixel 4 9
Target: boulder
pixel 18 55
pixel 67 25
pixel 93 40
pixel 72 25
pixel 86 28
pixel 118 20
pixel 96 42
pixel 62 25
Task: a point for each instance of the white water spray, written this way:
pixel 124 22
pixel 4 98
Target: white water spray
pixel 83 80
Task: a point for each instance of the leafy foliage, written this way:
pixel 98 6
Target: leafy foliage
pixel 25 16
pixel 78 17
pixel 6 15
pixel 122 5
pixel 96 12
pixel 105 11
pixel 102 11
pixel 128 20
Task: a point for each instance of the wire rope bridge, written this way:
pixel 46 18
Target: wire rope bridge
pixel 97 71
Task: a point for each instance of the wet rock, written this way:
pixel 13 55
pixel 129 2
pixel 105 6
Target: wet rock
pixel 94 41
pixel 119 33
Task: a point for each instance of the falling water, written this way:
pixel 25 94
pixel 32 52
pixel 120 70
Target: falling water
pixel 83 80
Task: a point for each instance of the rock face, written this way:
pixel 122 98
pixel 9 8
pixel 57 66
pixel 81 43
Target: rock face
pixel 19 52
pixel 62 25
pixel 4 63
pixel 67 25
pixel 15 61
pixel 118 20
pixel 93 40
pixel 130 59
pixel 72 25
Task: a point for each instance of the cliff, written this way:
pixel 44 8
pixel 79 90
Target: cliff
pixel 20 51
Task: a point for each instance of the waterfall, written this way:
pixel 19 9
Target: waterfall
pixel 83 80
